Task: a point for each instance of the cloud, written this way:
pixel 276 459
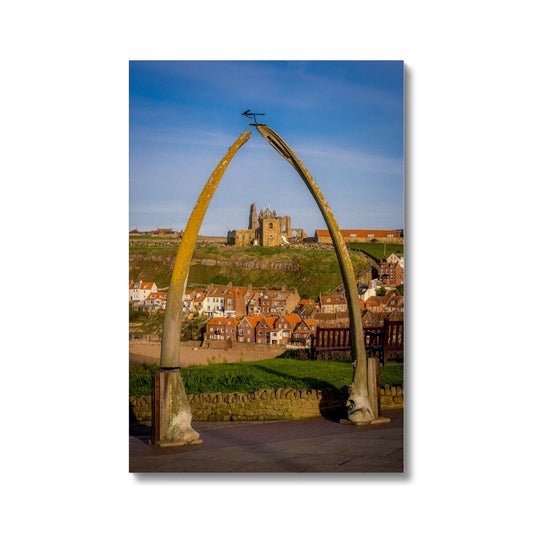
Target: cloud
pixel 363 162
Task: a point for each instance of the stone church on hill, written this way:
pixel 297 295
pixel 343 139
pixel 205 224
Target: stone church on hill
pixel 265 229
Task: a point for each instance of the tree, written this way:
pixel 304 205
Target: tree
pixel 399 289
pixel 381 291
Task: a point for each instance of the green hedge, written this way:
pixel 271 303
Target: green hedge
pixel 267 374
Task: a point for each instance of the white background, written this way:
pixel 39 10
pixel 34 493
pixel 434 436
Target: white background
pixel 64 222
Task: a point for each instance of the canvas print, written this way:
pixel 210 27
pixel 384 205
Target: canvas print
pixel 266 266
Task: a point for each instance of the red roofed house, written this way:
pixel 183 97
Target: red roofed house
pixel 246 328
pixel 303 331
pixel 391 274
pixel 235 300
pixel 284 326
pixel 222 328
pixel 156 299
pixel 333 303
pixel 278 302
pixel 263 329
pixel 253 305
pixel 376 303
pixel 362 235
pixel 140 291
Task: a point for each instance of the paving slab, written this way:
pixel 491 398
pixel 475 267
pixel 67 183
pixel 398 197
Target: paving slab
pixel 310 445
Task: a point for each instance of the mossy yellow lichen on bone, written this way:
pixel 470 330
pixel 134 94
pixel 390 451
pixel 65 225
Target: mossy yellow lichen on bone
pixel 170 345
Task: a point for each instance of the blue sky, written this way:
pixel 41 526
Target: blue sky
pixel 343 119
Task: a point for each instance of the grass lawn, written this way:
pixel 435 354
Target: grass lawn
pixel 376 249
pixel 267 374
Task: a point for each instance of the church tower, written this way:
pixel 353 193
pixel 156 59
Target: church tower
pixel 253 224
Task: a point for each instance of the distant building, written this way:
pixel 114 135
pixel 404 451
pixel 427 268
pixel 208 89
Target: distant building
pixel 162 231
pixel 396 258
pixel 391 274
pixel 265 229
pixel 362 235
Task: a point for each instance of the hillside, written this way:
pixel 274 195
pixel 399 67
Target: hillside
pixel 311 269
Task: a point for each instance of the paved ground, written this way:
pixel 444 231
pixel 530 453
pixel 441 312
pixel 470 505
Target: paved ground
pixel 310 445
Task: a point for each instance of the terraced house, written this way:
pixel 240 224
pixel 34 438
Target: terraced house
pixel 246 328
pixel 222 328
pixel 278 302
pixel 391 274
pixel 235 300
pixel 139 291
pixel 213 304
pixel 264 328
pixel 303 331
pixel 333 304
pixel 156 300
pixel 193 301
pixel 284 327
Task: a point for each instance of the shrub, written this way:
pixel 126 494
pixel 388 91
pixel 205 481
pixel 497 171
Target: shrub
pixel 137 316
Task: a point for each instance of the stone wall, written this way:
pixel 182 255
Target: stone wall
pixel 265 404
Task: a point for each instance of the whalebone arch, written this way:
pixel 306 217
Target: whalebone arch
pixel 177 420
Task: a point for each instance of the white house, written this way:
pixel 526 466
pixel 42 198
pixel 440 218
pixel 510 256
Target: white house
pixel 213 303
pixel 395 258
pixel 140 291
pixel 365 295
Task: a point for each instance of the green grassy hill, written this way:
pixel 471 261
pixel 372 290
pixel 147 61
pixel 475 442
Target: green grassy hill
pixel 309 270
